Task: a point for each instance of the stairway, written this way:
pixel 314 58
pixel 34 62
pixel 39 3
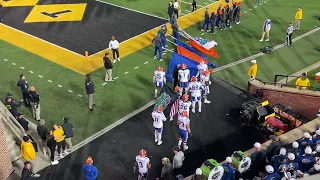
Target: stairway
pixel 12 145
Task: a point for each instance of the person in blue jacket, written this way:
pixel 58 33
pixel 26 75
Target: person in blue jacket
pixel 12 106
pixel 90 171
pixel 290 165
pixel 229 172
pixel 279 159
pixel 305 141
pixel 270 174
pixel 295 150
pixel 306 161
pixel 23 84
pixel 206 20
pixel 316 138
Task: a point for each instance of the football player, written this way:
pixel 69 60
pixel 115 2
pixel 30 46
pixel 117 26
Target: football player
pixel 184 129
pixel 184 104
pixel 204 79
pixel 195 88
pixel 143 163
pixel 184 76
pixel 158 118
pixel 202 67
pixel 159 79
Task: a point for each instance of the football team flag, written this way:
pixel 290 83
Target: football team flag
pixel 167 97
pixel 186 53
pixel 210 52
pixel 190 49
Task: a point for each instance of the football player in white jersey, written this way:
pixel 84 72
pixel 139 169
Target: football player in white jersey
pixel 184 76
pixel 184 129
pixel 184 104
pixel 202 67
pixel 195 88
pixel 143 163
pixel 159 79
pixel 158 118
pixel 204 79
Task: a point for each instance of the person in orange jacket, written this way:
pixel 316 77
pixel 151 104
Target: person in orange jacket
pixel 298 18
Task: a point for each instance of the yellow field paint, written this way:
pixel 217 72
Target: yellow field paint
pixel 16 3
pixel 56 13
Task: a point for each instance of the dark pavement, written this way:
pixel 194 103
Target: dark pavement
pixel 216 134
pixel 93 33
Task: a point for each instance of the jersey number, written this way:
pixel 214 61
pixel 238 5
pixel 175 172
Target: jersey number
pixel 182 125
pixel 157 119
pixel 195 88
pixel 158 76
pixel 140 165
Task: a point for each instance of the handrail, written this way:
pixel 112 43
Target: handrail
pixel 11 121
pixel 283 75
pixel 282 84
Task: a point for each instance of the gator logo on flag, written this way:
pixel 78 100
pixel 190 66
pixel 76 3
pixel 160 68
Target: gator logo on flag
pixel 164 99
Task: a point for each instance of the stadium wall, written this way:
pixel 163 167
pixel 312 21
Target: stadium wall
pixel 5 165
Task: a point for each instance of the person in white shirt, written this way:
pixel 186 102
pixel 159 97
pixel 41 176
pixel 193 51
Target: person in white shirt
pixel 289 34
pixel 143 164
pixel 114 46
pixel 266 29
pixel 205 81
pixel 195 89
pixel 184 76
pixel 184 104
pixel 176 7
pixel 159 79
pixel 201 68
pixel 158 118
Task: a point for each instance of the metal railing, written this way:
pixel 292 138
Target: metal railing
pixel 11 122
pixel 285 76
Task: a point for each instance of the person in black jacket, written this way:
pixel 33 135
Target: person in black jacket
pixel 23 122
pixel 34 99
pixel 194 5
pixel 213 19
pixel 175 76
pixel 51 144
pixel 43 132
pixel 27 172
pixel 108 67
pixel 170 9
pixel 12 106
pixel 274 147
pixel 90 91
pixel 68 132
pixel 23 84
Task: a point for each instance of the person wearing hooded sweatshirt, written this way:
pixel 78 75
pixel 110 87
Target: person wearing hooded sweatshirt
pixel 289 166
pixel 51 144
pixel 166 172
pixel 68 132
pixel 229 172
pixel 157 46
pixel 27 150
pixel 206 20
pixel 305 141
pixel 295 150
pixel 90 171
pixel 307 160
pixel 279 159
pixel 316 138
pixel 270 175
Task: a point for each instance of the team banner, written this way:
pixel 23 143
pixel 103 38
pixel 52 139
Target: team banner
pixel 167 97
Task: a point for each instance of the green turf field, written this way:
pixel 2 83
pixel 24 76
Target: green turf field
pixel 135 89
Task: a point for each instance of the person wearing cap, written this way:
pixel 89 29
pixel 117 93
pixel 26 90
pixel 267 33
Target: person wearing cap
pixel 43 133
pixel 314 170
pixel 23 122
pixel 170 9
pixel 305 141
pixel 306 161
pixel 157 46
pixel 27 150
pixel 12 106
pixel 90 171
pixel 317 152
pixel 298 18
pixel 266 30
pixel 166 172
pixel 274 147
pixel 289 166
pixel 163 32
pixel 295 150
pixel 114 46
pixel 229 172
pixel 303 82
pixel 108 67
pixel 316 138
pixel 68 132
pixel 270 175
pixel 51 144
pixel 279 159
pixel 59 136
pixel 206 20
pixel 90 91
pixel 252 73
pixel 258 160
pixel 197 175
pixel 34 99
pixel 23 84
pixel 27 173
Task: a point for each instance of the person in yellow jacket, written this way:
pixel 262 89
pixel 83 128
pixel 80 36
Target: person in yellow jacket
pixel 298 18
pixel 59 136
pixel 253 70
pixel 27 150
pixel 303 82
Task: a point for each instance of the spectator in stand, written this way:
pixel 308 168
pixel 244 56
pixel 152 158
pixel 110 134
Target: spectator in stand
pixel 295 150
pixel 68 132
pixel 170 9
pixel 274 147
pixel 12 106
pixel 178 159
pixel 306 161
pixel 316 138
pixel 298 18
pixel 206 20
pixel 279 159
pixel 314 170
pixel 43 132
pixel 166 172
pixel 27 172
pixel 303 82
pixel 198 175
pixel 270 175
pixel 90 171
pixel 229 172
pixel 305 141
pixel 51 144
pixel 23 122
pixel 23 84
pixel 258 160
pixel 27 150
pixel 59 136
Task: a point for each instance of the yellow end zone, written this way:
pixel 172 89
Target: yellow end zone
pixel 80 64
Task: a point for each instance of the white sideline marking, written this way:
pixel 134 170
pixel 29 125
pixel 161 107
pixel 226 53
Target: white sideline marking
pixel 70 91
pixel 136 67
pixel 145 62
pixel 183 14
pixel 5 59
pixel 188 11
pixel 126 72
pixel 202 34
pixel 79 95
pixel 245 12
pixel 22 67
pixel 14 64
pixel 31 72
pixel 205 3
pixel 59 85
pixel 40 76
pixel 250 9
pixel 104 84
pixel 49 81
pixel 115 78
pixel 172 49
pixel 185 2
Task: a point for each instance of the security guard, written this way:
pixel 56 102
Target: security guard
pixel 270 174
pixel 23 84
pixel 34 100
pixel 90 91
pixel 12 106
pixel 307 160
pixel 229 172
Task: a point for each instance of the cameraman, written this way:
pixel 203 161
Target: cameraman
pixel 34 100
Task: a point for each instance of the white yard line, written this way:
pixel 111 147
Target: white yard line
pixel 70 90
pixel 115 78
pixel 31 72
pixel 79 95
pixel 21 67
pixel 59 85
pixel 187 11
pixel 40 76
pixel 14 64
pixel 104 84
pixel 136 67
pixel 49 81
pixel 186 2
pixel 126 72
pixel 5 59
pixel 145 62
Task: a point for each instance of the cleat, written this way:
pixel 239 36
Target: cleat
pixel 202 30
pixel 54 162
pixel 267 39
pixel 206 101
pixel 261 40
pixel 159 143
pixel 193 110
pixel 199 110
pixel 118 59
pixel 161 60
pixel 155 140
